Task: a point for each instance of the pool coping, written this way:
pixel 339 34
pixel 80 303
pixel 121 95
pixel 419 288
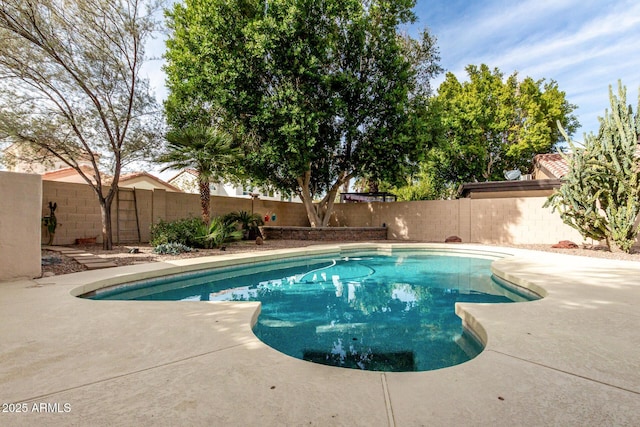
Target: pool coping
pixel 570 358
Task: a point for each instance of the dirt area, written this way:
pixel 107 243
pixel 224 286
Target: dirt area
pixel 121 255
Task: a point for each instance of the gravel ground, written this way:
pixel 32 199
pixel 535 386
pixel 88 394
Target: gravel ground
pixel 120 255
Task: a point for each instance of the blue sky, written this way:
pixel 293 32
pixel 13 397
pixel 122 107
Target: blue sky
pixel 584 45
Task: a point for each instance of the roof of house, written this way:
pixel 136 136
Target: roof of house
pixel 189 171
pixel 68 174
pixel 145 175
pixel 555 164
pixel 494 187
pixel 71 175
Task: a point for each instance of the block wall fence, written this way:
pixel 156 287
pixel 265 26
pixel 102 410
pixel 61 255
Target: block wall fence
pixel 79 215
pixel 491 221
pixel 25 199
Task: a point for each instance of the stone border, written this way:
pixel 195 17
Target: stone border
pixel 324 233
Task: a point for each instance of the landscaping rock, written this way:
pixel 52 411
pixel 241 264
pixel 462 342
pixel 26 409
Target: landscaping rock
pixel 565 244
pixel 259 240
pixel 453 239
pixel 50 260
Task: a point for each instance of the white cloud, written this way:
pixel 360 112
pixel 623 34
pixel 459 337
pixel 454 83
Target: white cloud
pixel 585 46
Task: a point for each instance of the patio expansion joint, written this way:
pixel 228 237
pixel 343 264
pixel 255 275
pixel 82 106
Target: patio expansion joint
pixel 573 374
pixel 387 400
pixel 127 374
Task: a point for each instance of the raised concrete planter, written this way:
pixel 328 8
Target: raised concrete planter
pixel 86 241
pixel 324 233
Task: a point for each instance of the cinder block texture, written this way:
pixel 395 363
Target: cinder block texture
pixel 520 220
pixel 135 210
pixel 517 220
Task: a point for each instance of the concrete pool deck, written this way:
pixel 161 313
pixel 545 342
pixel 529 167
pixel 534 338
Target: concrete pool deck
pixel 571 358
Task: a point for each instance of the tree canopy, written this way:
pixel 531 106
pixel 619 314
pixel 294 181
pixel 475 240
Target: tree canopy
pixel 489 124
pixel 70 86
pixel 328 90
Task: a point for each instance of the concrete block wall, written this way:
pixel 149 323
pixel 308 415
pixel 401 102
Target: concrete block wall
pixel 520 220
pixel 158 206
pixel 221 205
pixel 287 213
pixel 430 221
pixel 180 206
pixel 504 220
pixel 78 212
pixel 20 224
pixel 79 215
pixel 144 201
pixel 354 215
pixel 517 221
pixel 424 220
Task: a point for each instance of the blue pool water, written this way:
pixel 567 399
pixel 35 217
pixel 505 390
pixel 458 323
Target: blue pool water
pixel 366 311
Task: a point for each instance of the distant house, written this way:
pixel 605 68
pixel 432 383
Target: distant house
pixel 187 181
pixel 548 171
pixel 549 166
pixel 53 169
pixel 18 158
pixel 554 166
pixel 145 181
pixel 139 180
pixel 503 189
pixel 68 174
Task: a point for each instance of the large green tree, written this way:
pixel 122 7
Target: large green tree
pixel 70 87
pixel 329 90
pixel 490 124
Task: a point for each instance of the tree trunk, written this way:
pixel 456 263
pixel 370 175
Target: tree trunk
pixel 319 215
pixel 205 199
pixel 107 234
pixel 307 199
pixel 312 213
pixel 327 203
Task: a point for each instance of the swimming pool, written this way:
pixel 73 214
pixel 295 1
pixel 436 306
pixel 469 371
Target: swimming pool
pixel 364 310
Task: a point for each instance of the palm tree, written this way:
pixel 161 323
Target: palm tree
pixel 206 149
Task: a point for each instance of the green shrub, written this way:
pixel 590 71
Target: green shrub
pixel 185 231
pixel 219 233
pixel 194 233
pixel 249 223
pixel 171 249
